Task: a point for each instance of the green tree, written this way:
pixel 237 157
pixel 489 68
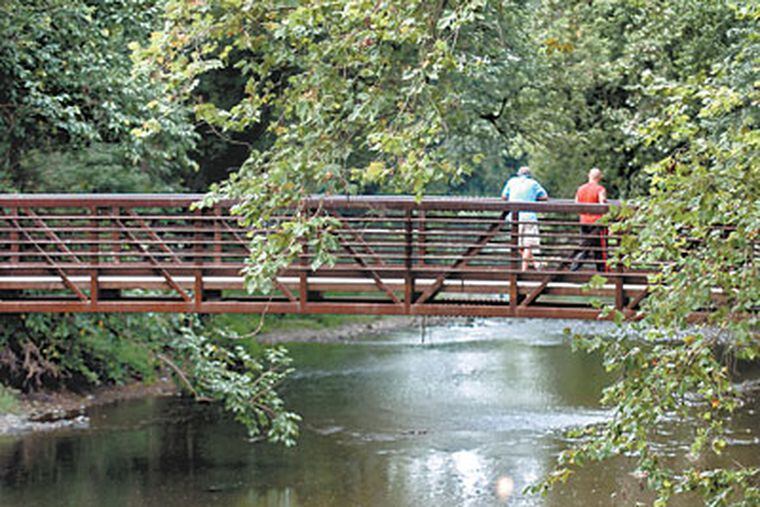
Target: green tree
pixel 588 90
pixel 67 83
pixel 70 112
pixel 353 95
pixel 396 95
pixel 699 219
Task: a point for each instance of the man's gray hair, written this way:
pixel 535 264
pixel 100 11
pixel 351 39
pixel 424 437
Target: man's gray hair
pixel 524 171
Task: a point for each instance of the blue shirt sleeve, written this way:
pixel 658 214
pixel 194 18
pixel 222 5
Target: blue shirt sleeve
pixel 540 192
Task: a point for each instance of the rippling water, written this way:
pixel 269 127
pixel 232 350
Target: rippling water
pixel 469 417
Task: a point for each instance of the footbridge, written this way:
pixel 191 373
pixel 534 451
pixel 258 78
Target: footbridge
pixel 396 256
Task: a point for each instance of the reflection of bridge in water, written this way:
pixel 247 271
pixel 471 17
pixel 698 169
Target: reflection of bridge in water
pixel 439 256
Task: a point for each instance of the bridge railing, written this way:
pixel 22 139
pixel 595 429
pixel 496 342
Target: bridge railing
pixel 437 255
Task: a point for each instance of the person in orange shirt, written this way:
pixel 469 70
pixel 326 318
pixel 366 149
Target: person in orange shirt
pixel 593 242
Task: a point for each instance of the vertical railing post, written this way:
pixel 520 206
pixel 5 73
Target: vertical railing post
pixel 408 278
pixel 619 290
pixel 620 299
pixel 115 234
pixel 217 234
pixel 514 254
pixel 95 256
pixel 198 257
pixel 303 280
pixel 14 237
pixel 421 237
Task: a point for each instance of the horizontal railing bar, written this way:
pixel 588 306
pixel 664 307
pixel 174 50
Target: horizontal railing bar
pixel 393 241
pixel 439 243
pixel 52 222
pixel 426 271
pixel 183 247
pixel 83 243
pixel 495 259
pixel 376 232
pixel 377 239
pixel 401 202
pixel 184 215
pixel 438 262
pixel 235 250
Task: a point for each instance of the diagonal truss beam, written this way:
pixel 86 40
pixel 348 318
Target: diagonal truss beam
pixel 156 263
pixel 280 286
pixel 64 277
pixel 50 233
pixel 378 281
pixel 358 237
pixel 637 299
pixel 152 235
pixel 532 295
pixel 359 260
pixel 471 252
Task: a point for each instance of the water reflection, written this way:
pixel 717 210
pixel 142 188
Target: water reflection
pixel 470 417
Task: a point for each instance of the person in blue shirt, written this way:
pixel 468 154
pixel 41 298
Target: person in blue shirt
pixel 523 188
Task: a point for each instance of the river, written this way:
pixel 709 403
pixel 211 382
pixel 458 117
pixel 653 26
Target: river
pixel 467 418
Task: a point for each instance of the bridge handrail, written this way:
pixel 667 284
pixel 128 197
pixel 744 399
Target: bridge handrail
pixel 401 202
pixel 393 254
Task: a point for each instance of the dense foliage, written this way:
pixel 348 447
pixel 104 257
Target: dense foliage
pixel 69 111
pixel 67 83
pixel 365 95
pixel 700 218
pixel 78 350
pixel 591 90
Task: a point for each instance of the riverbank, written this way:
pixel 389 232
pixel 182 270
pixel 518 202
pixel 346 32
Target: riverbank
pixel 49 410
pixel 348 330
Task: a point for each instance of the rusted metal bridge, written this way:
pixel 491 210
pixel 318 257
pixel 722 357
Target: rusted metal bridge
pixel 439 256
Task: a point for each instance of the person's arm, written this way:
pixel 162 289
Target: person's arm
pixel 505 191
pixel 602 196
pixel 577 199
pixel 542 195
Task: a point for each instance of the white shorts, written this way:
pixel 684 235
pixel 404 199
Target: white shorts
pixel 528 236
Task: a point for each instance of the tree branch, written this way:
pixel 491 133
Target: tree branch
pixel 183 376
pixel 493 118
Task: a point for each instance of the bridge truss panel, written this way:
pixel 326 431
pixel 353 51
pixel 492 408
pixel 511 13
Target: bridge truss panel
pixel 394 256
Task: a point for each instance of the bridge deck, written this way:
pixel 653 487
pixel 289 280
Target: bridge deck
pixel 439 256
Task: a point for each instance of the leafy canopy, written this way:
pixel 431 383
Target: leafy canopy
pixel 360 95
pixel 67 83
pixel 354 95
pixel 70 114
pixel 698 222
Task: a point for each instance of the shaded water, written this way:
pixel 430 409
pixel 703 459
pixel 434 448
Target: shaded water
pixel 475 411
